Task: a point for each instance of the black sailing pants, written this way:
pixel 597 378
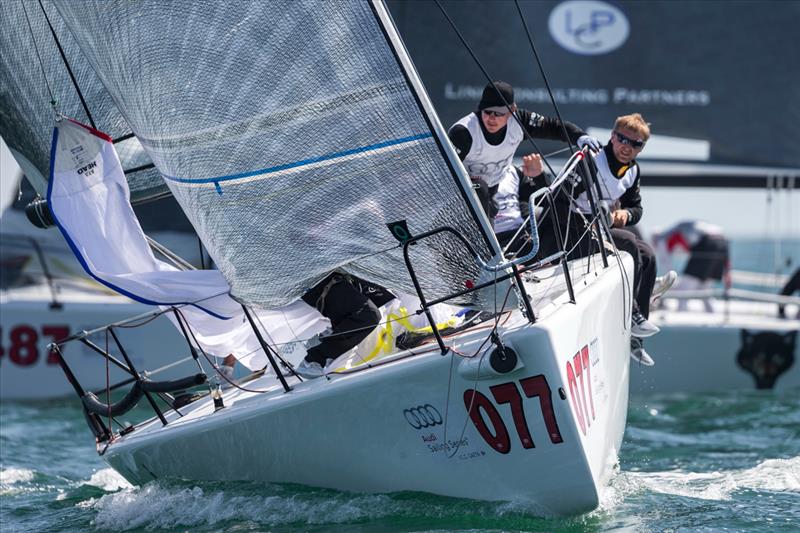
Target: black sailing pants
pixel 353 316
pixel 644 266
pixel 644 259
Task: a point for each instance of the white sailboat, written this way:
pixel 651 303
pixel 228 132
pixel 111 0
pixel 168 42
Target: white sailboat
pixel 730 336
pixel 722 339
pixel 321 136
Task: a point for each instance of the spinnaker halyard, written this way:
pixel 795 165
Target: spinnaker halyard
pixel 293 147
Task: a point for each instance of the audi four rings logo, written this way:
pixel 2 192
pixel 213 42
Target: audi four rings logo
pixel 422 416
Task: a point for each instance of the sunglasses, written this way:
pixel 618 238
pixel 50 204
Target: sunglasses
pixel 626 140
pixel 497 114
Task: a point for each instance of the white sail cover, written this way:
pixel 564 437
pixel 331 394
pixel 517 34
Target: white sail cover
pixel 289 134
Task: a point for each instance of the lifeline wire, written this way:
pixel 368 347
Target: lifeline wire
pixel 488 77
pixel 544 76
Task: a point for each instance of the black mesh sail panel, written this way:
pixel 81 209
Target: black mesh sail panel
pixel 290 135
pixel 26 115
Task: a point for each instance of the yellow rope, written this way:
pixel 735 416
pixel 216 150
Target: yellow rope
pixel 385 341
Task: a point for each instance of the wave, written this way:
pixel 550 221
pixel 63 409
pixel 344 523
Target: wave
pixel 778 475
pixel 166 505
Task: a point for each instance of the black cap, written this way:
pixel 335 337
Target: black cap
pixel 494 95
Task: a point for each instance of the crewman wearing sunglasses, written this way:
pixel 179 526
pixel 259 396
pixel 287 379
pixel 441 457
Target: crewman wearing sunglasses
pixel 487 139
pixel 618 177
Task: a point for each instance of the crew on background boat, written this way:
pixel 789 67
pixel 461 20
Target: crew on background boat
pixel 708 250
pixel 351 304
pixel 487 139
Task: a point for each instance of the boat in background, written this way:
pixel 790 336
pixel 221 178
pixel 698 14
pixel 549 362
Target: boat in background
pixel 49 310
pixel 46 297
pixel 722 341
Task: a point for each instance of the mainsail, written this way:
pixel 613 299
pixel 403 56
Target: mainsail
pixel 290 135
pixel 26 116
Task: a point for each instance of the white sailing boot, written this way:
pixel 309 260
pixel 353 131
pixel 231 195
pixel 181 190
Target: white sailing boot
pixel 663 284
pixel 639 354
pixel 641 327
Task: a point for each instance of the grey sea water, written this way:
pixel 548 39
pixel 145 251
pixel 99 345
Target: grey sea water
pixel 722 461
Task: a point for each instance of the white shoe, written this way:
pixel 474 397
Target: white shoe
pixel 663 284
pixel 641 327
pixel 639 354
pixel 311 369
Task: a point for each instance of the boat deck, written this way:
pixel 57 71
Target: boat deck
pixel 546 289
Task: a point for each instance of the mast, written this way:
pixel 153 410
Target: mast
pixel 457 170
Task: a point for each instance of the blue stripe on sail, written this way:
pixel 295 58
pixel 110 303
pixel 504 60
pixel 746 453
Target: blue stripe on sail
pixel 304 162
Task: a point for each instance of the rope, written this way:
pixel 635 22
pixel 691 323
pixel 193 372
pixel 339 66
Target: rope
pixel 491 80
pixel 492 333
pixel 544 75
pixel 39 57
pixel 69 69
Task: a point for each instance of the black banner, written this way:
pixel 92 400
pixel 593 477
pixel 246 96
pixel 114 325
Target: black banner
pixel 718 79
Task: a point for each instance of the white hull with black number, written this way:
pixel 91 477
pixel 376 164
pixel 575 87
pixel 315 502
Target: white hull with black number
pixel 546 432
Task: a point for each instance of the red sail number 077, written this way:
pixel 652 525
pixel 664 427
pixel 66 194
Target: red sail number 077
pixel 478 405
pixel 579 380
pixel 482 409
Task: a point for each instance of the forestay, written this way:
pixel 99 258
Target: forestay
pixel 26 116
pixel 290 136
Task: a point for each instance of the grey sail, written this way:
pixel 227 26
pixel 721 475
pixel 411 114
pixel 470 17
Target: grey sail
pixel 290 135
pixel 26 116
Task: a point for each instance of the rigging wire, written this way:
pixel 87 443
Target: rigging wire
pixel 544 75
pixel 491 80
pixel 535 51
pixel 39 57
pixel 69 69
pixel 492 333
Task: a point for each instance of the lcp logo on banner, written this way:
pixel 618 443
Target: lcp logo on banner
pixel 588 27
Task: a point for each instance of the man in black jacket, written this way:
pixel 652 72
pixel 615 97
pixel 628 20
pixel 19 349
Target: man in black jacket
pixel 618 177
pixel 351 304
pixel 487 139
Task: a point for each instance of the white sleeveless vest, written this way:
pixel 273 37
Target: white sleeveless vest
pixel 612 188
pixel 484 160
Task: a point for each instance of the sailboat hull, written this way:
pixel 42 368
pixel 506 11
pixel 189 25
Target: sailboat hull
pixel 546 432
pixel 732 345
